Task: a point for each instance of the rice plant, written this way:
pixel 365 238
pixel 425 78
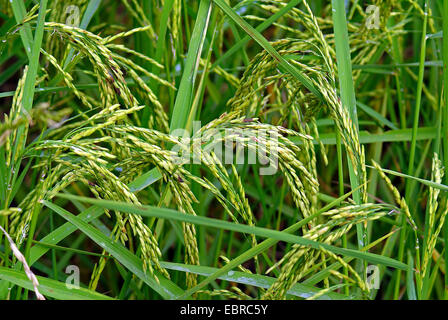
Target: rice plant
pixel 213 149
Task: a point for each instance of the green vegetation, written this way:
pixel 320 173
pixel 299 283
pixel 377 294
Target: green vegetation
pixel 216 149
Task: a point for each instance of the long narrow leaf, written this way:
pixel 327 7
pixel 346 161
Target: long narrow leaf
pixel 51 288
pixel 149 211
pixel 163 286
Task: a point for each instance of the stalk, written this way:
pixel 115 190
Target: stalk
pixel 409 183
